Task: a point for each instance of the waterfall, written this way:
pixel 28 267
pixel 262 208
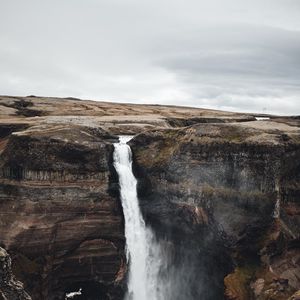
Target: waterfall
pixel 142 251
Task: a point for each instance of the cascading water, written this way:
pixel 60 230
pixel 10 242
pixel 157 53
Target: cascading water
pixel 142 251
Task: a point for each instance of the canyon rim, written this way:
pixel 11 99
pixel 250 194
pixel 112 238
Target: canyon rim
pixel 219 192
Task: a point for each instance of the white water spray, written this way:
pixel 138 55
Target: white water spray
pixel 142 251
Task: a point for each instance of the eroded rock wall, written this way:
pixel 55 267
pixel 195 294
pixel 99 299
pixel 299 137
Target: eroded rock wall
pixel 228 193
pixel 60 215
pixel 223 198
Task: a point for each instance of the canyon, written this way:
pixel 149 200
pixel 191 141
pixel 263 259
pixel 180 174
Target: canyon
pixel 220 190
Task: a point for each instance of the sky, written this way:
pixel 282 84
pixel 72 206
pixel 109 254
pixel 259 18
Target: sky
pixel 222 54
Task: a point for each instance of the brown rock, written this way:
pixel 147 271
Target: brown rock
pixel 10 288
pixel 60 215
pixel 245 178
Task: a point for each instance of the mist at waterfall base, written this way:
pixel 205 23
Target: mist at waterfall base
pixel 152 272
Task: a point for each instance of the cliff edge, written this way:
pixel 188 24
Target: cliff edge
pixel 230 193
pixel 220 189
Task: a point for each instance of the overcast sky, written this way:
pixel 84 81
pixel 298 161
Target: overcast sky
pixel 225 54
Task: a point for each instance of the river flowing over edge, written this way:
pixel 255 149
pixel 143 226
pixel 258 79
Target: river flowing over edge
pixel 143 252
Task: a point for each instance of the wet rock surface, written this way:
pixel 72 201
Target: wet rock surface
pixel 232 190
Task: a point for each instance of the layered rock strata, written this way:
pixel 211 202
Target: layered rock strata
pixel 60 216
pixel 222 194
pixel 230 193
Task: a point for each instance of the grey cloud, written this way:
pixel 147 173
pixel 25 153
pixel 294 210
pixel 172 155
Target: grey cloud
pixel 256 68
pixel 220 54
pixel 253 51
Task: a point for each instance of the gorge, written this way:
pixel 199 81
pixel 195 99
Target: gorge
pixel 214 198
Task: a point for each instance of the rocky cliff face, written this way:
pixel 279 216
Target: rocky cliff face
pixel 60 216
pixel 227 195
pixel 222 195
pixel 10 288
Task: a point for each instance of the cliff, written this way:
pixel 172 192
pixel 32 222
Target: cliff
pixel 226 194
pixel 220 190
pixel 60 218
